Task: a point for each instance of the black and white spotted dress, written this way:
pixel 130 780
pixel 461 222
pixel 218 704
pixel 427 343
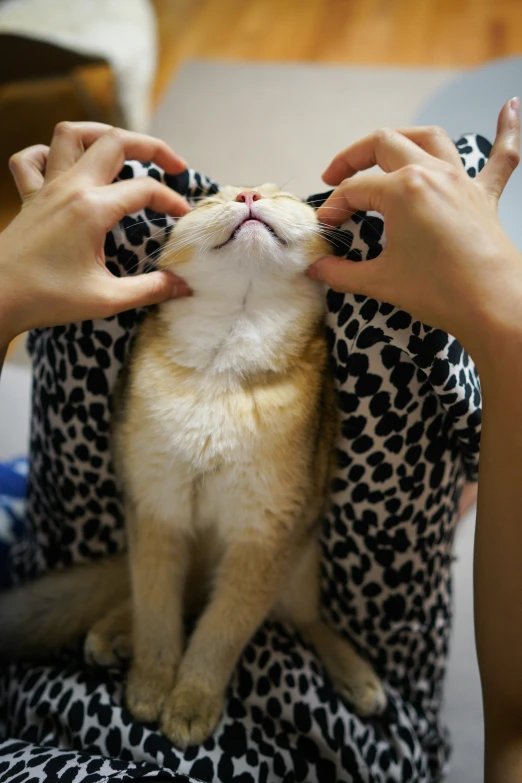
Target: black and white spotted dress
pixel 410 422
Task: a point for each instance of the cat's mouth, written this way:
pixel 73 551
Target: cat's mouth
pixel 250 219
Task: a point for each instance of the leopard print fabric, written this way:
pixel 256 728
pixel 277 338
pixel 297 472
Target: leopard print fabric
pixel 410 402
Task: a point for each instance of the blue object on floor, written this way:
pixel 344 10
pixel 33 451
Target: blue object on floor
pixel 13 488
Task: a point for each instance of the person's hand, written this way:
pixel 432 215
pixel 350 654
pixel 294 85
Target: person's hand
pixel 52 263
pixel 447 261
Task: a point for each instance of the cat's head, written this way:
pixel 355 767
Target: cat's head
pixel 260 229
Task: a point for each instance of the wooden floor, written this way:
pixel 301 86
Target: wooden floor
pixel 384 32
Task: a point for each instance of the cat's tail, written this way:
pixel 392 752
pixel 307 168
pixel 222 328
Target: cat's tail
pixel 43 615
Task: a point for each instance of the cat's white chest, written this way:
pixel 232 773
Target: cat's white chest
pixel 218 342
pixel 218 336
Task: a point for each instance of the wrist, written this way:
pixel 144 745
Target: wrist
pixel 492 331
pixel 16 274
pixel 496 345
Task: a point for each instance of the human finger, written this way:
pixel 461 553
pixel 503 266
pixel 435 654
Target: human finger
pixel 435 141
pixel 356 277
pixel 127 293
pixel 128 196
pixel 28 169
pixel 505 154
pixel 386 148
pixel 104 159
pixel 352 195
pixel 70 139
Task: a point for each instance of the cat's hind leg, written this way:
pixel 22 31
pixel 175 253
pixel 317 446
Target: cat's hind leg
pixel 353 677
pixel 109 642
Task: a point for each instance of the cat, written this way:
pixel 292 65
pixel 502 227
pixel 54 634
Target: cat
pixel 223 442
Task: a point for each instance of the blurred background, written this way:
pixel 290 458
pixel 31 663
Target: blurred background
pixel 112 60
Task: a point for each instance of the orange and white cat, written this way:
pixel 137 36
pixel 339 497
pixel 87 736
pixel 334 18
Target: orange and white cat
pixel 223 442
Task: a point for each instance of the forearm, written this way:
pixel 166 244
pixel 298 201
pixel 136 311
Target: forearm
pixel 6 332
pixel 498 561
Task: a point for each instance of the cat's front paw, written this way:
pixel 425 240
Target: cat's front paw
pixel 146 692
pixel 190 715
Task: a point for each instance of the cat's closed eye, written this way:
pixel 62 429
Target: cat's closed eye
pixel 209 201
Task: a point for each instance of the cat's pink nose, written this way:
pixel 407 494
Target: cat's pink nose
pixel 248 197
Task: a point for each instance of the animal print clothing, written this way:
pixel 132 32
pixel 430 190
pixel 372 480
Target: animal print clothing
pixel 410 401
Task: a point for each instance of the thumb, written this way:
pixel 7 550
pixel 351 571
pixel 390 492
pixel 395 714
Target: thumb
pixel 126 293
pixel 355 277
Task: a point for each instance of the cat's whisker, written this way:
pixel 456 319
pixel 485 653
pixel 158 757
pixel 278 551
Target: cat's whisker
pixel 163 229
pixel 324 200
pixel 152 220
pixel 333 206
pixel 363 218
pixel 199 236
pixel 148 267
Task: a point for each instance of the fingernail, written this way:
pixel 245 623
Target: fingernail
pixel 314 272
pixel 179 290
pixel 514 106
pixel 181 206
